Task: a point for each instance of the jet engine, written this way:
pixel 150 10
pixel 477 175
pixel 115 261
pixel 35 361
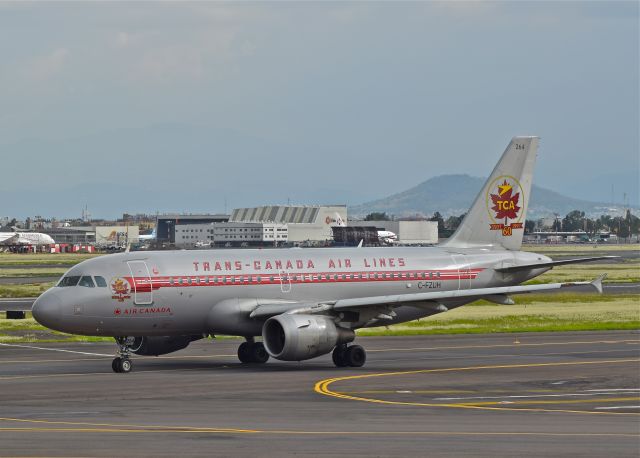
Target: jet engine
pixel 299 337
pixel 160 345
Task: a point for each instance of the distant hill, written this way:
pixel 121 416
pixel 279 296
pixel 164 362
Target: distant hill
pixel 454 194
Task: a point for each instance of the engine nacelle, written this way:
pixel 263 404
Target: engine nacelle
pixel 160 345
pixel 299 337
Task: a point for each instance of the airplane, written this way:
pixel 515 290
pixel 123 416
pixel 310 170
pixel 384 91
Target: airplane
pixel 25 238
pixel 148 237
pixel 305 302
pixel 385 237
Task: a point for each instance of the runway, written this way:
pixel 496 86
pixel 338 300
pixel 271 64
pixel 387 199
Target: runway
pixel 480 395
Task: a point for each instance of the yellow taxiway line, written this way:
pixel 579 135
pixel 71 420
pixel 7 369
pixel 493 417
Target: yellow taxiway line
pixel 78 427
pixel 322 387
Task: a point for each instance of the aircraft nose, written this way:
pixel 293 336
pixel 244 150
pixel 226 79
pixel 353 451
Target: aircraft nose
pixel 47 309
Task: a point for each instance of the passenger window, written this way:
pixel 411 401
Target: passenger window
pixel 100 281
pixel 69 281
pixel 87 281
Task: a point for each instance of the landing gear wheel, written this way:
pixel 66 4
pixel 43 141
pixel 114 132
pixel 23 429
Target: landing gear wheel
pixel 338 356
pixel 125 365
pixel 121 363
pixel 244 352
pixel 115 365
pixel 259 353
pixel 355 356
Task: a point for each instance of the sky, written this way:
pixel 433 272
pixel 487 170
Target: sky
pixel 205 107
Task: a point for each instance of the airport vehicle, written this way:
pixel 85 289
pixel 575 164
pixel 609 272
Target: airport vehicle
pixel 305 302
pixel 25 238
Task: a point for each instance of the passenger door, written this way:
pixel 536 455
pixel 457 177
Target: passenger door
pixel 142 283
pixel 285 281
pixel 464 273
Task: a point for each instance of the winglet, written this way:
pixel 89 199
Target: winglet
pixel 597 283
pixel 360 244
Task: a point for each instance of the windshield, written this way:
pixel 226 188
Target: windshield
pixel 71 280
pixel 86 281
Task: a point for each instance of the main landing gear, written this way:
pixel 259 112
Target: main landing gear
pixel 121 363
pixel 352 355
pixel 252 352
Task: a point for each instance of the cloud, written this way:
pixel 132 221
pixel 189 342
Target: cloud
pixel 164 65
pixel 45 67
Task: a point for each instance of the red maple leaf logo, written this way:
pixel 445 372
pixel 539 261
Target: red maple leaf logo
pixel 505 203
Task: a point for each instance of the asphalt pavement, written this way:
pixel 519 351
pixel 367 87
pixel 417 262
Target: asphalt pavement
pixel 535 394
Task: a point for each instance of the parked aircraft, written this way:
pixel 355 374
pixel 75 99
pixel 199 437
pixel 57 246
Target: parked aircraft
pixel 25 238
pixel 148 237
pixel 385 237
pixel 305 302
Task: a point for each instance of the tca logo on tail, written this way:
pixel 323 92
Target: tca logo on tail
pixel 504 197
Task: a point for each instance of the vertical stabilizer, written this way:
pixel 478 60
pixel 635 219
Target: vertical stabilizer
pixel 498 213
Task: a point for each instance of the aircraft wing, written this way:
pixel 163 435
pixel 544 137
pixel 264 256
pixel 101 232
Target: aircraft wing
pixel 444 296
pixel 8 237
pixel 496 294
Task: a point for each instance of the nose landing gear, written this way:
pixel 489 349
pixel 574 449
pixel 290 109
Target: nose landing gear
pixel 121 364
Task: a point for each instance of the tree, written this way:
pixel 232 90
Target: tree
pixel 452 222
pixel 529 226
pixel 377 216
pixel 574 221
pixel 441 229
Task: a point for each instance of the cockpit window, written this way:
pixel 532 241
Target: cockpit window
pixel 100 281
pixel 87 281
pixel 71 280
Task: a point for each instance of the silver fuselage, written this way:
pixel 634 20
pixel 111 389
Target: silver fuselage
pixel 214 291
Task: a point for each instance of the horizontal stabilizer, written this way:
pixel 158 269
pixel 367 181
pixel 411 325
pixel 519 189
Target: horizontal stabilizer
pixel 552 264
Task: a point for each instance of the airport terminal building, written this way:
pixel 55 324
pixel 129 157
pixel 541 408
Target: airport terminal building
pixel 230 234
pixel 270 225
pixel 305 223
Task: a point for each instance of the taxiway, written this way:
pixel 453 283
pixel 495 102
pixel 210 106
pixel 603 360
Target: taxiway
pixel 481 395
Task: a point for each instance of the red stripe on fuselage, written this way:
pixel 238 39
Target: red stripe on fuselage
pixel 143 284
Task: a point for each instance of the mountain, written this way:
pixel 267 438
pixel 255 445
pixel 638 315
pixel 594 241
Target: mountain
pixel 454 194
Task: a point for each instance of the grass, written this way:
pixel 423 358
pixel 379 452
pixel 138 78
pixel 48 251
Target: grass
pixel 30 259
pixel 26 290
pixel 532 313
pixel 29 330
pixel 616 273
pixel 586 249
pixel 33 272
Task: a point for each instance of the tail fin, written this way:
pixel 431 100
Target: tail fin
pixel 498 214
